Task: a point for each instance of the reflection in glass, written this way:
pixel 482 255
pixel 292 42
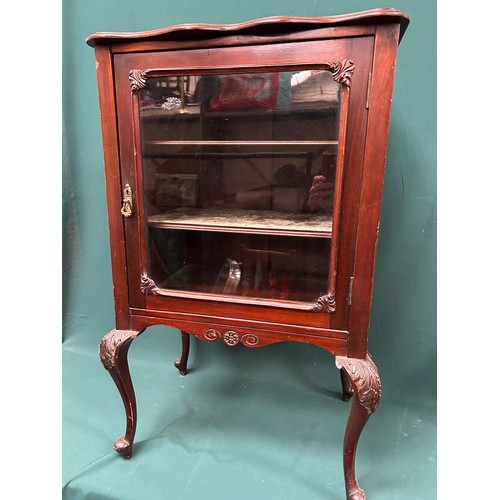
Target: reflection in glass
pixel 246 265
pixel 239 173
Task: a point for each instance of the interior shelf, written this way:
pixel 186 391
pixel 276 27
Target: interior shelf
pixel 248 221
pixel 241 143
pixel 190 111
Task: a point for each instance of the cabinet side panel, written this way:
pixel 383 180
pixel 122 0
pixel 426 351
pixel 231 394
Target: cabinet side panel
pixel 105 84
pixel 384 65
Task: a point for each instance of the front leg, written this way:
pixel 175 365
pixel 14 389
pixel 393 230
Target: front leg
pixel 365 382
pixel 113 351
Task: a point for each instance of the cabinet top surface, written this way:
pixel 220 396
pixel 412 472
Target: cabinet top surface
pixel 258 27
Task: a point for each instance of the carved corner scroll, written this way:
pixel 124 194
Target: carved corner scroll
pixel 148 286
pixel 342 71
pixel 365 379
pixel 231 337
pixel 326 303
pixel 138 79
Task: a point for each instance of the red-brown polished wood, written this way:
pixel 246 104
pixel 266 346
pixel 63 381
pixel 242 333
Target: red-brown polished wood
pixel 104 69
pixel 360 52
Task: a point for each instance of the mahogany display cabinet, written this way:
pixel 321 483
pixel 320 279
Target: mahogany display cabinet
pixel 244 171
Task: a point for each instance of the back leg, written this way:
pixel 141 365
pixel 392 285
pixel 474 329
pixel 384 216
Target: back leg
pixel 181 363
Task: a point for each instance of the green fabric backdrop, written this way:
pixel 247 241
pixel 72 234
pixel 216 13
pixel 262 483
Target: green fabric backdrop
pixel 403 324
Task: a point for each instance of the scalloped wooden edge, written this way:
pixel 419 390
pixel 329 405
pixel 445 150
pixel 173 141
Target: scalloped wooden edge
pixel 262 26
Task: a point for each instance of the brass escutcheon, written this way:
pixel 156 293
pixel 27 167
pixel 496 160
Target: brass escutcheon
pixel 126 210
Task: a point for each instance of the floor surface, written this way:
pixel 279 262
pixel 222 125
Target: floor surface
pixel 243 424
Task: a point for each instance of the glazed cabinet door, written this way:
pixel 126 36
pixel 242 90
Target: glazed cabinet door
pixel 235 165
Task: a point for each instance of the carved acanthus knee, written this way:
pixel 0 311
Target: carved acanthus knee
pixel 111 345
pixel 364 378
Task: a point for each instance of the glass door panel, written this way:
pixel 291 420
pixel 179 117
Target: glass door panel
pixel 239 176
pixel 246 265
pixel 282 106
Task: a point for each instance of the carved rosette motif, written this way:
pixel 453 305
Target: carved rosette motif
pixel 231 337
pixel 148 286
pixel 110 345
pixel 365 380
pixel 138 79
pixel 342 71
pixel 326 303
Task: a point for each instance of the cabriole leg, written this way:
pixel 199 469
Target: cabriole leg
pixel 113 351
pixel 365 382
pixel 181 363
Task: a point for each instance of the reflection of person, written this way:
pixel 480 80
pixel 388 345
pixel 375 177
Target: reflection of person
pixel 319 198
pixel 320 195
